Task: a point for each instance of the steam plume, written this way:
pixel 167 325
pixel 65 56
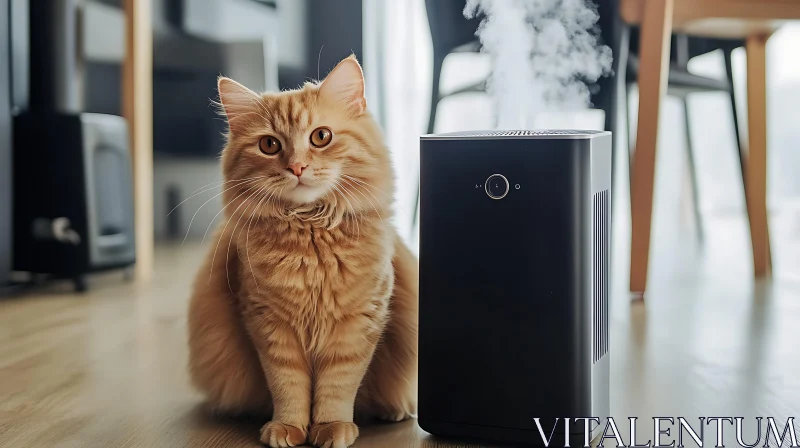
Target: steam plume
pixel 544 52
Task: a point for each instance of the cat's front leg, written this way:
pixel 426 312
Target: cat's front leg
pixel 288 374
pixel 339 368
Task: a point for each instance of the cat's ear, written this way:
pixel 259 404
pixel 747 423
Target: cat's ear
pixel 236 100
pixel 344 85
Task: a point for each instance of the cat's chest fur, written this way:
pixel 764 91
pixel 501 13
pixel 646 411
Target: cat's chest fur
pixel 312 272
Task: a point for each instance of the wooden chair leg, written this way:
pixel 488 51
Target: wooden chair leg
pixel 653 74
pixel 755 182
pixel 137 107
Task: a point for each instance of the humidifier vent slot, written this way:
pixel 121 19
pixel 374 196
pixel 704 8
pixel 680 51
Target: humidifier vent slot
pixel 600 234
pixel 520 133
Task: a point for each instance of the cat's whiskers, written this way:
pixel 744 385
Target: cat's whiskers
pixel 233 232
pixel 360 212
pixel 227 222
pixel 223 209
pixel 238 252
pixel 278 196
pixel 337 190
pixel 188 228
pixel 261 197
pixel 336 185
pixel 357 213
pixel 360 217
pixel 228 219
pixel 208 187
pixel 383 192
pixel 266 197
pixel 363 183
pixel 272 205
pixel 321 210
pixel 374 207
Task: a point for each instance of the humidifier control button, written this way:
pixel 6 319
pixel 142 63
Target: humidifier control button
pixel 497 186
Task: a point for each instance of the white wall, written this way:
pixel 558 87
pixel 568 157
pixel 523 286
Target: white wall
pixel 103 33
pixel 188 175
pixel 237 20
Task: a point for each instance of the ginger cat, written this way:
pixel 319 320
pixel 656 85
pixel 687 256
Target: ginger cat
pixel 305 308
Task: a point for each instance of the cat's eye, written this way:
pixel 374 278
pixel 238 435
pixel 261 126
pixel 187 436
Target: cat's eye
pixel 269 145
pixel 321 137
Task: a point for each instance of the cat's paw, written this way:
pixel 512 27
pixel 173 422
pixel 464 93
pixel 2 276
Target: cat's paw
pixel 277 434
pixel 333 434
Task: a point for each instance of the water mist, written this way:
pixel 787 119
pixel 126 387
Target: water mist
pixel 544 52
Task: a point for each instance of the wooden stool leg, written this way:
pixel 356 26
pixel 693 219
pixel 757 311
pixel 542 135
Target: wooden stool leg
pixel 653 73
pixel 755 182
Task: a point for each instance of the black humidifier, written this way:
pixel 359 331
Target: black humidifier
pixel 514 253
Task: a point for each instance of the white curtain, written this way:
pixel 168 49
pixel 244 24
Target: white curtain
pixel 397 65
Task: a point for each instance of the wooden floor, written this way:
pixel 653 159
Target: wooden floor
pixel 107 369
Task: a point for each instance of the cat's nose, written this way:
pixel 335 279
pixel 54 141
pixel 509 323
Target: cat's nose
pixel 297 168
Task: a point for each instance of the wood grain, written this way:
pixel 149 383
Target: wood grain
pixel 653 72
pixel 137 106
pixel 731 18
pixel 756 163
pixel 108 368
pixel 732 28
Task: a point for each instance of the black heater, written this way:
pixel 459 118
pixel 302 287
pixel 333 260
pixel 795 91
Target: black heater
pixel 514 252
pixel 73 198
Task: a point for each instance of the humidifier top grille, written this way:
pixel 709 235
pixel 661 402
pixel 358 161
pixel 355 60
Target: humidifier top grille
pixel 525 134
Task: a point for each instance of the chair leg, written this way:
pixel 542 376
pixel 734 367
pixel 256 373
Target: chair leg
pixel 732 96
pixel 698 218
pixel 756 163
pixel 655 48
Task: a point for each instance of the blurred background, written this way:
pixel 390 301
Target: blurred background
pixel 109 165
pixel 67 58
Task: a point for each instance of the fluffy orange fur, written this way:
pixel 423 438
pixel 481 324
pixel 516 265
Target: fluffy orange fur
pixel 306 306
